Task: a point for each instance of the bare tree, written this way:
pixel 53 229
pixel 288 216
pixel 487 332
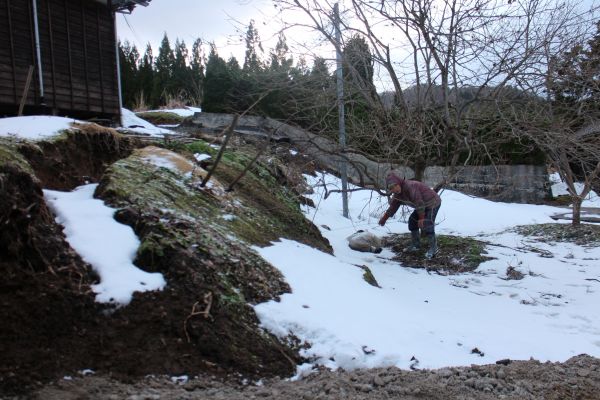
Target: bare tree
pixel 454 67
pixel 566 125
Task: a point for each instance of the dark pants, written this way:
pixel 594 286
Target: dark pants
pixel 429 226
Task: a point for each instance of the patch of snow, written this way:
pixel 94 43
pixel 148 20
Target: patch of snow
pixel 187 111
pixel 559 188
pixel 133 123
pixel 107 245
pixel 161 162
pixel 201 157
pixel 180 380
pixel 36 127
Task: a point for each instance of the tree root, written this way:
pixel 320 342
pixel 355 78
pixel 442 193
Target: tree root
pixel 208 297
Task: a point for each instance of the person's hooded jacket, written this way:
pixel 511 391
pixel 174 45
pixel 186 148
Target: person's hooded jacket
pixel 414 194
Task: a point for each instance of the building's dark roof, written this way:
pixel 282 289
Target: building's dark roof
pixel 128 5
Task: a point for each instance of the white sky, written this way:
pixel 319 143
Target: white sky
pixel 224 22
pixel 212 21
pixel 550 315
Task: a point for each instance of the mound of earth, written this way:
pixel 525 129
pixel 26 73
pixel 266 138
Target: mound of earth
pixel 200 238
pixel 577 378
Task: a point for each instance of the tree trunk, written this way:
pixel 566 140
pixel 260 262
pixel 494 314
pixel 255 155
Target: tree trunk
pixel 419 169
pixel 577 211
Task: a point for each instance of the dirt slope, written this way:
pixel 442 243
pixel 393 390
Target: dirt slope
pixel 202 322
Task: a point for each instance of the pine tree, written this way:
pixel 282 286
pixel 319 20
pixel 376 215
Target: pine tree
pixel 181 77
pixel 252 63
pixel 279 56
pixel 197 70
pixel 574 77
pixel 145 79
pixel 360 94
pixel 276 80
pixel 163 70
pixel 217 83
pixel 128 62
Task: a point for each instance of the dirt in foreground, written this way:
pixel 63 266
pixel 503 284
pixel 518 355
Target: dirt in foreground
pixel 578 378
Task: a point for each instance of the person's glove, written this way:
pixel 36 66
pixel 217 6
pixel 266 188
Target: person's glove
pixel 383 219
pixel 421 222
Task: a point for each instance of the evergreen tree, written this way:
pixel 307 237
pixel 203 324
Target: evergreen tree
pixel 145 79
pixel 574 78
pixel 181 77
pixel 128 62
pixel 163 71
pixel 320 79
pixel 358 62
pixel 234 67
pixel 321 98
pixel 360 95
pixel 279 56
pixel 276 80
pixel 217 83
pixel 197 70
pixel 252 63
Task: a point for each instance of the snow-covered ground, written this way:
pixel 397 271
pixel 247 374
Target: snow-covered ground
pixel 182 112
pixel 416 319
pixel 36 127
pixel 424 320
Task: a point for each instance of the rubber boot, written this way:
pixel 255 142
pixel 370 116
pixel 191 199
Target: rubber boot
pixel 416 242
pixel 433 249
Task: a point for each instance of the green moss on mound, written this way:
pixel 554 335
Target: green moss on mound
pixel 456 254
pixel 161 117
pixel 10 155
pixel 209 223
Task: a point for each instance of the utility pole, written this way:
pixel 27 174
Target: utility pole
pixel 341 116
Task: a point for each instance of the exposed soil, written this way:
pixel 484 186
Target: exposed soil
pixel 78 157
pixel 578 378
pixel 201 325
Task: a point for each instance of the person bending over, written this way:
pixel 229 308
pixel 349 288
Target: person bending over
pixel 426 203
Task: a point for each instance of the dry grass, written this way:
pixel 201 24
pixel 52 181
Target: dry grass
pixel 95 129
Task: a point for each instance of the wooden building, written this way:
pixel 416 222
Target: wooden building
pixel 59 57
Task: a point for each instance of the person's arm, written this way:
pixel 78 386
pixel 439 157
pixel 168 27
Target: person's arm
pixel 394 206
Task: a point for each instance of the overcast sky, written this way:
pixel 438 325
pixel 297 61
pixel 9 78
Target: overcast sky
pixel 212 21
pixel 224 22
